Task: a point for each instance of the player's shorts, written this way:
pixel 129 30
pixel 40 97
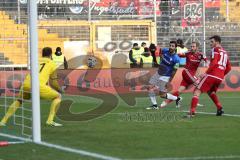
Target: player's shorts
pixel 46 92
pixel 188 79
pixel 156 81
pixel 209 83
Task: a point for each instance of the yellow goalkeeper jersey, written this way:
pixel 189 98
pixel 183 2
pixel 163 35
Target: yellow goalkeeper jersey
pixel 47 70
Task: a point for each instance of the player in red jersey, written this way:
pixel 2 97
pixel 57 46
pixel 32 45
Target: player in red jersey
pixel 193 59
pixel 211 80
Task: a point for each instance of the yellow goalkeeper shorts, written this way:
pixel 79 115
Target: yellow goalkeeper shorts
pixel 46 92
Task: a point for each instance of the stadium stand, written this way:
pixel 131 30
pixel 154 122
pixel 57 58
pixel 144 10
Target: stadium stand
pixel 13 40
pixel 233 10
pixel 53 30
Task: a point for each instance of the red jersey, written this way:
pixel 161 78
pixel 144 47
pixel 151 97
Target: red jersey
pixel 219 64
pixel 193 60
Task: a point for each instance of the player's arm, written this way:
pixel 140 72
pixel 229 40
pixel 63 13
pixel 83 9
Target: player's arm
pixel 214 62
pixel 228 67
pixel 182 55
pixel 176 66
pixel 198 72
pixel 182 52
pixel 53 80
pixel 205 59
pixel 160 53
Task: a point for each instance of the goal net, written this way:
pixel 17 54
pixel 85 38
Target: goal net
pixel 14 64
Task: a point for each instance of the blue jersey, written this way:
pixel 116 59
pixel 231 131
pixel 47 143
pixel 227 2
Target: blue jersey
pixel 169 63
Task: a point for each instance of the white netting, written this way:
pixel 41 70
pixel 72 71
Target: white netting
pixel 13 67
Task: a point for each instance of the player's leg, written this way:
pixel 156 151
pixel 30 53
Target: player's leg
pixel 152 96
pixel 15 105
pixel 11 110
pixel 53 110
pixel 154 81
pixel 48 93
pixel 203 86
pixel 176 93
pixel 194 102
pixel 187 80
pixel 212 94
pixel 164 94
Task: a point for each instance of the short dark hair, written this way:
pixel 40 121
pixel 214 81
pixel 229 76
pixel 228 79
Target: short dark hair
pixel 143 43
pixel 46 52
pixel 197 44
pixel 135 44
pixel 174 43
pixel 58 49
pixel 217 38
pixel 180 42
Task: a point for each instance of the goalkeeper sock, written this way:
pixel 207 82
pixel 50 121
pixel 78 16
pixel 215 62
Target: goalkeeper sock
pixel 12 109
pixel 53 109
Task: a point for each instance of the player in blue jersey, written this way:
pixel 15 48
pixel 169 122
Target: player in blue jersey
pixel 162 78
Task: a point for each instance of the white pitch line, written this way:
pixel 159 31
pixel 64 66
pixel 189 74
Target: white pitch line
pixel 210 113
pixel 15 137
pixel 67 149
pixel 184 111
pixel 198 158
pixel 78 151
pixel 207 113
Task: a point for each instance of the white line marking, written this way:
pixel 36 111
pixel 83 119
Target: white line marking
pixel 78 151
pixel 67 149
pixel 15 137
pixel 210 113
pixel 207 113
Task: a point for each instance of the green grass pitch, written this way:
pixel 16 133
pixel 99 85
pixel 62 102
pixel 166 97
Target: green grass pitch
pixel 136 133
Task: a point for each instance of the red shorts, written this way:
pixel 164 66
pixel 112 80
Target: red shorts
pixel 188 79
pixel 209 83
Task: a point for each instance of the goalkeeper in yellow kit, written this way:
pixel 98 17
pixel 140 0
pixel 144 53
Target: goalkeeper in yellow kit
pixel 47 73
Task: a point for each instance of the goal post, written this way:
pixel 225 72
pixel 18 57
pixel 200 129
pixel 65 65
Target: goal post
pixel 33 35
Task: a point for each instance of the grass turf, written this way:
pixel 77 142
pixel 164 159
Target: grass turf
pixel 131 132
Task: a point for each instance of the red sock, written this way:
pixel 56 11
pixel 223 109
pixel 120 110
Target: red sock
pixel 214 98
pixel 176 93
pixel 194 104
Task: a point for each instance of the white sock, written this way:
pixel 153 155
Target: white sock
pixel 171 97
pixel 152 98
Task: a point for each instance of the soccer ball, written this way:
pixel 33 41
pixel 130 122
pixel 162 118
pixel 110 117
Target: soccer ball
pixel 91 61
